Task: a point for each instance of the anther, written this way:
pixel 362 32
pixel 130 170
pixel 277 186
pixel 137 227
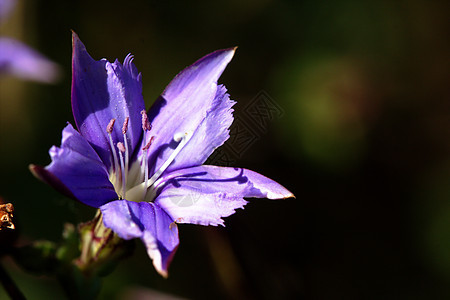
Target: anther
pixel 110 126
pixel 146 126
pixel 109 130
pixel 125 125
pixel 121 147
pixel 125 141
pixel 150 141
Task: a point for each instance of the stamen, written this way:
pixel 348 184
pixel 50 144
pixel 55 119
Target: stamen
pixel 110 126
pixel 122 149
pixel 145 161
pixel 125 140
pixel 109 130
pixel 146 126
pixel 150 141
pixel 125 125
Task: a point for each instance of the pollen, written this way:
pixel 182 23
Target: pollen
pixel 121 147
pixel 141 185
pixel 146 126
pixel 125 125
pixel 149 143
pixel 110 126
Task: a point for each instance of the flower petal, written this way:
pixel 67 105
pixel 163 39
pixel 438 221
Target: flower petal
pixel 184 104
pixel 77 171
pixel 146 221
pixel 204 194
pixel 20 60
pixel 212 133
pixel 102 91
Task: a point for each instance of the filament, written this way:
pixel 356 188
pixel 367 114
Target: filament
pixel 109 130
pixel 125 141
pixel 122 151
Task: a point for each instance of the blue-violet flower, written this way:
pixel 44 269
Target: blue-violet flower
pixel 144 170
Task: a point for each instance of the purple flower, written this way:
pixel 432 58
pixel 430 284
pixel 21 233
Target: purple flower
pixel 144 170
pixel 19 60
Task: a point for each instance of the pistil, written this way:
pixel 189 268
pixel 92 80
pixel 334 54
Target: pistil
pixel 182 138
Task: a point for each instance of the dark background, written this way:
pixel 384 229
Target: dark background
pixel 353 102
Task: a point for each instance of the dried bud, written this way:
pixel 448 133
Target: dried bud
pixel 101 248
pixel 6 216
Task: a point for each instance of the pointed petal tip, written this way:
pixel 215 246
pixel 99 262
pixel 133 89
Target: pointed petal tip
pixel 45 176
pixel 230 49
pixel 229 52
pixel 222 56
pixel 286 194
pixel 225 55
pixel 281 195
pixel 162 267
pixel 75 38
pixel 291 195
pixel 163 273
pixel 33 170
pixel 77 44
pixel 38 172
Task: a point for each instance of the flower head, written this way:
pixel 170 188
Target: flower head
pixel 144 170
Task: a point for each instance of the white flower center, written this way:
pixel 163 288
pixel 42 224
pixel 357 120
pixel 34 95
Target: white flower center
pixel 132 182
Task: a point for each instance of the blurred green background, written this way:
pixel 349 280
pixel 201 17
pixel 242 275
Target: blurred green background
pixel 361 139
